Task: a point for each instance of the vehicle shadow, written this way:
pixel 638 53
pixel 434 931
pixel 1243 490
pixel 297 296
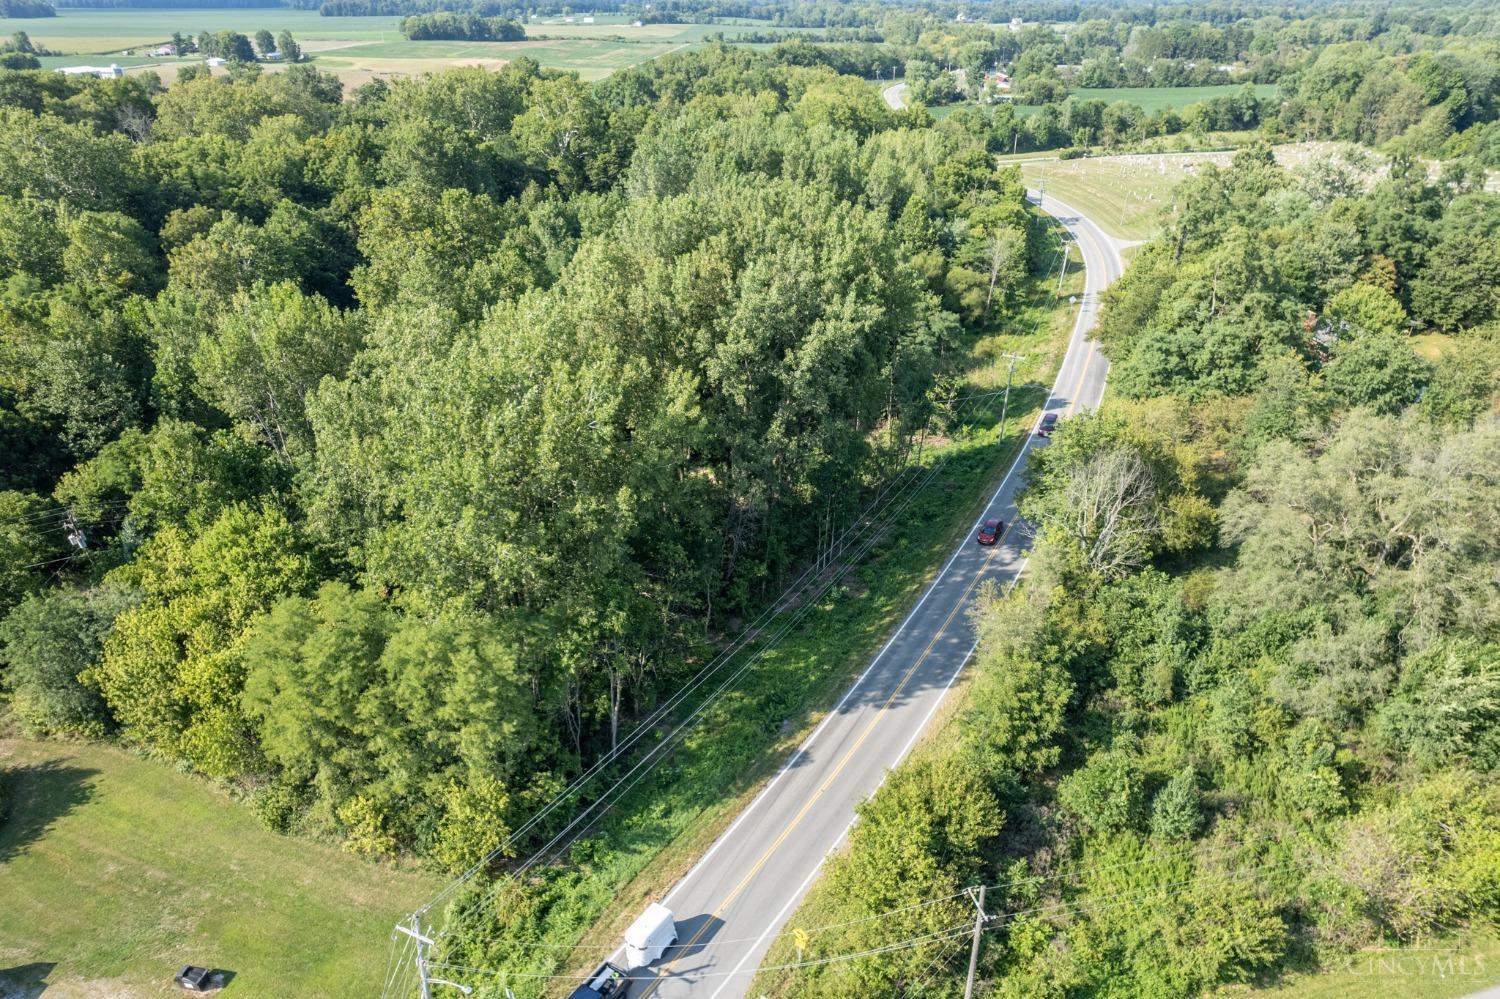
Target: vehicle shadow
pixel 694 934
pixel 38 794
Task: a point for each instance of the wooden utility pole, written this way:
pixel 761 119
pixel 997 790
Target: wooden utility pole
pixel 978 901
pixel 1005 405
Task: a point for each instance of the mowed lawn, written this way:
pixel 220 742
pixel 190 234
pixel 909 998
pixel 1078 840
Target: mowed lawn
pixel 115 871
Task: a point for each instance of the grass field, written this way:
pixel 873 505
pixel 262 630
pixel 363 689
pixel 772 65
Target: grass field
pixel 115 871
pixel 1125 194
pixel 1161 98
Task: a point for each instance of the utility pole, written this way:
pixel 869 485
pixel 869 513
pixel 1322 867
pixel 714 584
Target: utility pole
pixel 414 930
pixel 979 918
pixel 1005 405
pixel 1062 271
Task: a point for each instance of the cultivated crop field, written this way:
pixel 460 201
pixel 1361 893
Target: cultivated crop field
pixel 101 31
pixel 116 871
pixel 358 49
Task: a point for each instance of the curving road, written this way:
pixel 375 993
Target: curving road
pixel 732 904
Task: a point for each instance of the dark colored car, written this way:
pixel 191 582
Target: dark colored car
pixel 1048 424
pixel 607 982
pixel 990 531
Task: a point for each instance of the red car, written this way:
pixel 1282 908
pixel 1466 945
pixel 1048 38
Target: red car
pixel 1048 424
pixel 990 531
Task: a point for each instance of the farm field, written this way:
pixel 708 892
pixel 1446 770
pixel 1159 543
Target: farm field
pixel 357 49
pixel 117 870
pixel 1161 98
pixel 100 31
pixel 591 59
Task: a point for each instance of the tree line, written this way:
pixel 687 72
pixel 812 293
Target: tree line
pixel 27 8
pixel 461 27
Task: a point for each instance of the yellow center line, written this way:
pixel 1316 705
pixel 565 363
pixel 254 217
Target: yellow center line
pixel 1083 366
pixel 807 806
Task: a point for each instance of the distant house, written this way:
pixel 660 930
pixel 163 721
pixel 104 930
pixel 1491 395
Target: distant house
pixel 588 20
pixel 214 61
pixel 636 24
pixel 102 72
pixel 272 56
pixel 164 50
pixel 1015 24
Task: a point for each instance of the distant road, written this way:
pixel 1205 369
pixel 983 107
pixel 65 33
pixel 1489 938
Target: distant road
pixel 732 904
pixel 895 96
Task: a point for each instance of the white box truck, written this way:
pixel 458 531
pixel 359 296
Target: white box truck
pixel 649 936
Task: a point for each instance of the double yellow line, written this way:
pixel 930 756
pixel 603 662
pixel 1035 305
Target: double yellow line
pixel 807 806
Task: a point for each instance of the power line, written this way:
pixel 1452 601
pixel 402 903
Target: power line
pixel 659 751
pixel 1025 879
pixel 747 636
pixel 1170 889
pixel 905 491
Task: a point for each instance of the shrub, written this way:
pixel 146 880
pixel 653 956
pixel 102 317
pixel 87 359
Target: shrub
pixel 1176 812
pixel 1107 794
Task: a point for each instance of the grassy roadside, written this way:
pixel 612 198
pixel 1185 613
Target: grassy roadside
pixel 116 870
pixel 660 832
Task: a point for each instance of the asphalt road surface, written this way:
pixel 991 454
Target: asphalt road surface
pixel 732 904
pixel 895 96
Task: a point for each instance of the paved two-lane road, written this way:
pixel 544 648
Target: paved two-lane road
pixel 732 904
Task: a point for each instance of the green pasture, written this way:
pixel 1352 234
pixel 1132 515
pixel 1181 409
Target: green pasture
pixel 1160 98
pixel 117 870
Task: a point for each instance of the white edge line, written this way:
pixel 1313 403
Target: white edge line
pixel 838 842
